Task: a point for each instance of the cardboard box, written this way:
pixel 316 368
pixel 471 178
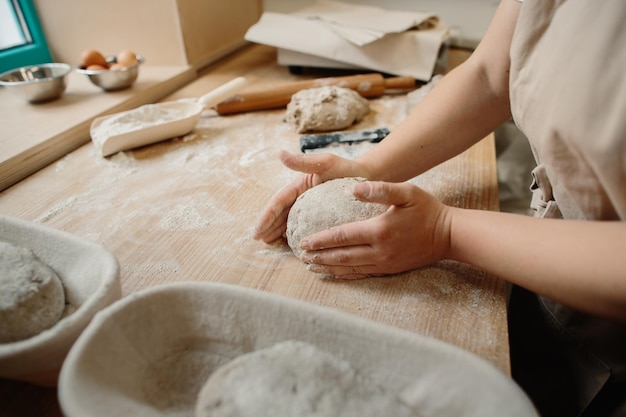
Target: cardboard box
pixel 165 32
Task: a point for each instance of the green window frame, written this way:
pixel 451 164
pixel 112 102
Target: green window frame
pixel 35 49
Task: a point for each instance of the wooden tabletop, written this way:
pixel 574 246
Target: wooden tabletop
pixel 184 209
pixel 35 135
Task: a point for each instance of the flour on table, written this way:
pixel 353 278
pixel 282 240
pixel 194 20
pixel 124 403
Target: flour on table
pixel 327 108
pixel 324 206
pixel 32 298
pixel 129 121
pixel 294 379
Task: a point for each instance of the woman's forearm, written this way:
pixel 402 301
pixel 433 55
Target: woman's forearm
pixel 468 104
pixel 445 124
pixel 576 263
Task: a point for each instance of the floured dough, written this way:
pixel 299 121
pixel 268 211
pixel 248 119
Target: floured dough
pixel 325 108
pixel 324 206
pixel 32 298
pixel 294 379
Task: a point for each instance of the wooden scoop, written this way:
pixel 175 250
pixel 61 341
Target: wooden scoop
pixel 276 96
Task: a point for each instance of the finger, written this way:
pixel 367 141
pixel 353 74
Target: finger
pixel 345 256
pixel 270 235
pixel 396 194
pixel 307 163
pixel 274 216
pixel 349 234
pixel 345 272
pixel 270 226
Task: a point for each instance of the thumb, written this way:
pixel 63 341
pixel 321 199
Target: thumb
pixel 307 163
pixel 392 194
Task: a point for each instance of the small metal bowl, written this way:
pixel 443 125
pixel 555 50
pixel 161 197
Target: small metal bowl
pixel 37 83
pixel 113 79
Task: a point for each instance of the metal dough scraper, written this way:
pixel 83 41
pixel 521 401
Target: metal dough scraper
pixel 346 144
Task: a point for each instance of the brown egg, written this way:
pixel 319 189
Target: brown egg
pixel 96 67
pixel 126 58
pixel 116 66
pixel 92 57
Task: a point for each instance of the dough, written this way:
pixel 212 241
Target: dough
pixel 325 108
pixel 294 379
pixel 32 298
pixel 324 206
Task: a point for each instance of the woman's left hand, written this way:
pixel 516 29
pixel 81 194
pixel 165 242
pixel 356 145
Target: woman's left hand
pixel 412 233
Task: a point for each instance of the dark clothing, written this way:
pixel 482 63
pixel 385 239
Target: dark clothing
pixel 563 375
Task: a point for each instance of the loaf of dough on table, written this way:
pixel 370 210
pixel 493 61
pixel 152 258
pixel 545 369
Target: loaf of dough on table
pixel 323 109
pixel 327 205
pixel 32 298
pixel 295 379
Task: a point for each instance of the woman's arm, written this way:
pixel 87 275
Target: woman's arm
pixel 577 263
pixel 466 105
pixel 469 103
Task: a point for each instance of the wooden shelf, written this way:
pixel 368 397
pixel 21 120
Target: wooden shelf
pixel 34 135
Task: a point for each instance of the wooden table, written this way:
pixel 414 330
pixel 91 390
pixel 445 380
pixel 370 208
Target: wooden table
pixel 35 135
pixel 184 209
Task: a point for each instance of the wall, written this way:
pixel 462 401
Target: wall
pixel 165 32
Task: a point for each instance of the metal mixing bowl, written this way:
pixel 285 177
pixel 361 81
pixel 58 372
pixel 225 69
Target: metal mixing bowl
pixel 37 83
pixel 113 79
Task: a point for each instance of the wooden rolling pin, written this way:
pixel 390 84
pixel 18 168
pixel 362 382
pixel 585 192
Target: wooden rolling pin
pixel 276 96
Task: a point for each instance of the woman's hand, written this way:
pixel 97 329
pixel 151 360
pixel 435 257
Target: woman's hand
pixel 414 232
pixel 316 169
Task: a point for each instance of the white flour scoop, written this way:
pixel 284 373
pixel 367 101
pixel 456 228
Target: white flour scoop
pixel 153 123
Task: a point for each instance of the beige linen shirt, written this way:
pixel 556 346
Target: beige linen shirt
pixel 568 95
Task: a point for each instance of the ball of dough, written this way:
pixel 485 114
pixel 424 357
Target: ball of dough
pixel 294 379
pixel 32 298
pixel 325 108
pixel 324 206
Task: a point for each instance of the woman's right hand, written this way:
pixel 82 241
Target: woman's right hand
pixel 316 169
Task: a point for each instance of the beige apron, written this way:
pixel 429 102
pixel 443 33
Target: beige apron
pixel 568 95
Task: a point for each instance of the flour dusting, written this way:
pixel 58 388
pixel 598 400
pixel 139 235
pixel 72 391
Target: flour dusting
pixel 184 218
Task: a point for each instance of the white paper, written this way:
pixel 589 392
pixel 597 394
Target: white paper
pixel 286 57
pixel 410 53
pixel 365 24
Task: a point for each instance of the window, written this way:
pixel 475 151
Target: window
pixel 22 41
